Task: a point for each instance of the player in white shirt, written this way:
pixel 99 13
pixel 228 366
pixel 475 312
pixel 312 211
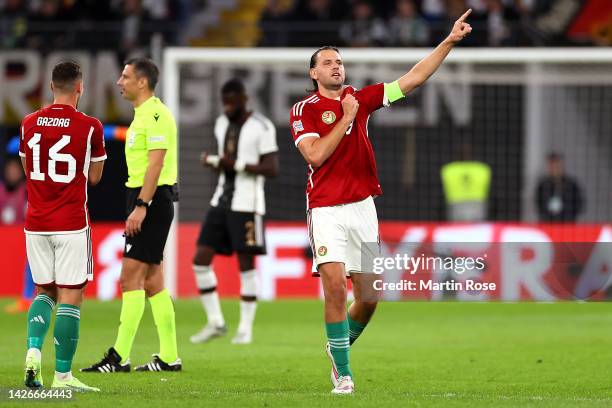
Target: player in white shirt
pixel 247 154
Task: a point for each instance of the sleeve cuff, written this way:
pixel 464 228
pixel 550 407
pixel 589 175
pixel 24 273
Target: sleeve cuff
pixel 304 136
pixel 212 160
pixel 21 154
pixel 97 159
pixel 239 165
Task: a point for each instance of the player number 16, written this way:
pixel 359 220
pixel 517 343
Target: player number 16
pixel 54 157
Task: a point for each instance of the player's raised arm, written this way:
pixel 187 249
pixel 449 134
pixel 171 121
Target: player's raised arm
pixel 428 65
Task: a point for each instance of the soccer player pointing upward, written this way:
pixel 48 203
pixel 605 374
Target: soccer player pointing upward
pixel 330 130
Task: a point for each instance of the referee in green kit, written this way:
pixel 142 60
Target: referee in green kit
pixel 151 156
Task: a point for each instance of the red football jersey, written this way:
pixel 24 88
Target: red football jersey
pixel 58 143
pixel 349 174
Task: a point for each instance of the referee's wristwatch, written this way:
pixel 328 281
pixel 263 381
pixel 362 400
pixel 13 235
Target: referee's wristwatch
pixel 141 203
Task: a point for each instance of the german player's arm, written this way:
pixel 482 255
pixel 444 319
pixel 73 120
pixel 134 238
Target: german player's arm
pixel 316 150
pixel 212 160
pixel 428 65
pixel 267 166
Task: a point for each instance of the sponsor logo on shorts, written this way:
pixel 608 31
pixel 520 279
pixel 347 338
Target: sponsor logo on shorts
pixel 298 126
pixel 328 117
pixel 322 251
pixel 128 247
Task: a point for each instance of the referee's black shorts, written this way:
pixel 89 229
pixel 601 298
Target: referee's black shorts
pixel 148 245
pixel 230 231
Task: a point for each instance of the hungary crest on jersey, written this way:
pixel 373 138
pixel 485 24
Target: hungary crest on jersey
pixel 328 117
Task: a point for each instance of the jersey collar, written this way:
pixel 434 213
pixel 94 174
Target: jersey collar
pixel 146 104
pixel 337 99
pixel 61 106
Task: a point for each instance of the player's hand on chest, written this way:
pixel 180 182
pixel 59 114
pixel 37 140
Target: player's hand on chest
pixel 328 118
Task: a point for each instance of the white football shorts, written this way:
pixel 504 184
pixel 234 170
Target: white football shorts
pixel 337 232
pixel 62 260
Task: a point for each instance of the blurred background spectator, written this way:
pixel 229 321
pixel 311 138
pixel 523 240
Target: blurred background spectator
pixel 271 24
pixel 466 184
pixel 12 193
pixel 12 211
pixel 315 22
pixel 559 197
pixel 407 28
pixel 363 28
pixel 13 24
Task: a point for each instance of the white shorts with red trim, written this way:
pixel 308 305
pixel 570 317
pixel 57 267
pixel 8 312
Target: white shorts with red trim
pixel 337 233
pixel 62 260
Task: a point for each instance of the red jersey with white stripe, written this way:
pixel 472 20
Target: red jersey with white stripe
pixel 58 143
pixel 349 174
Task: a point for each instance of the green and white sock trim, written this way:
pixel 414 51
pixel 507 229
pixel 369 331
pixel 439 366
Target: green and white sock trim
pixel 339 346
pixel 355 328
pixel 69 310
pixel 339 343
pixel 46 299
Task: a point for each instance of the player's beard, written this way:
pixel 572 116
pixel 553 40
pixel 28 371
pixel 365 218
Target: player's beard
pixel 333 86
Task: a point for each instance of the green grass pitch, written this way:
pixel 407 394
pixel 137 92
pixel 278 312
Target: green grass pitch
pixel 413 354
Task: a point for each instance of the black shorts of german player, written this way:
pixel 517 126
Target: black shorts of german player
pixel 148 245
pixel 230 231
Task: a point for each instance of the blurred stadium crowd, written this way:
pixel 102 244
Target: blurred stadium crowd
pixel 128 24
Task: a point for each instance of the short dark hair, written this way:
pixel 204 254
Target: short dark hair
pixel 313 62
pixel 233 85
pixel 145 67
pixel 65 74
pixel 554 156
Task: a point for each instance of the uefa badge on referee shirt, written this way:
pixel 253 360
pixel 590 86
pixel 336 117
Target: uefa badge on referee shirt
pixel 328 117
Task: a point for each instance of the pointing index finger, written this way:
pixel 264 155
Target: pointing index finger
pixel 465 15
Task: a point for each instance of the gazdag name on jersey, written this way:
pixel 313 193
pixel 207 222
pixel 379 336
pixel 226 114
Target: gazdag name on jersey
pixel 58 144
pixel 59 122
